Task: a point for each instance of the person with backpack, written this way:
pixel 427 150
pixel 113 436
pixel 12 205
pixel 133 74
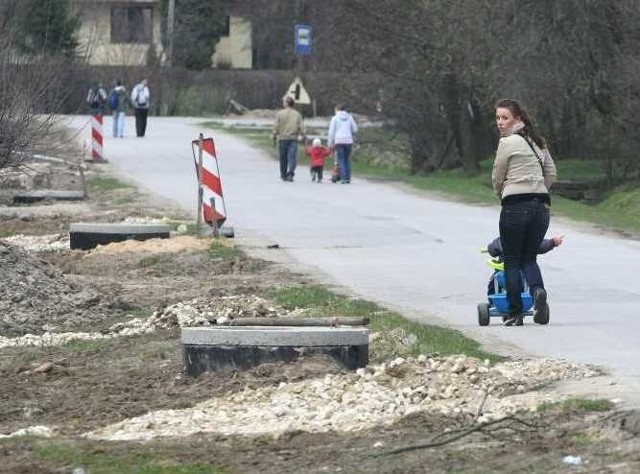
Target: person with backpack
pixel 140 100
pixel 118 100
pixel 96 98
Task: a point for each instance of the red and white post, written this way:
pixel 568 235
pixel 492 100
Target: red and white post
pixel 97 152
pixel 210 197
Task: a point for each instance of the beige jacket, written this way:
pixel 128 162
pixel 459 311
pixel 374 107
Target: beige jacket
pixel 289 125
pixel 517 170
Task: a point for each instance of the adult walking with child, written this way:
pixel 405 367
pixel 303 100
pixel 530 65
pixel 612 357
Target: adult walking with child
pixel 523 172
pixel 287 130
pixel 342 132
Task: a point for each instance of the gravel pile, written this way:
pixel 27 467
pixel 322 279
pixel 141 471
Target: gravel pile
pixel 39 243
pixel 198 312
pixel 376 395
pixel 35 298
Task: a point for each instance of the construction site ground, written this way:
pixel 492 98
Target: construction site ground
pixel 92 373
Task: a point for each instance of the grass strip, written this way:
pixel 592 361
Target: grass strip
pixel 424 339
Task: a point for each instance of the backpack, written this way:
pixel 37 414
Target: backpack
pixel 95 99
pixel 114 100
pixel 138 102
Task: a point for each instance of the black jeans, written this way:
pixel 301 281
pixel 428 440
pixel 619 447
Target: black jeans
pixel 522 228
pixel 141 121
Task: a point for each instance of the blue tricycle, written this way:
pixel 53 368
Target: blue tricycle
pixel 497 304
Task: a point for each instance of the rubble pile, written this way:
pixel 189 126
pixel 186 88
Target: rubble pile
pixel 39 243
pixel 34 297
pixel 378 394
pixel 198 312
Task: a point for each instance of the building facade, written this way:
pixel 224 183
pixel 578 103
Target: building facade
pixel 119 32
pixel 128 33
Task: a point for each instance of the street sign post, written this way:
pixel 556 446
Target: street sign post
pixel 304 40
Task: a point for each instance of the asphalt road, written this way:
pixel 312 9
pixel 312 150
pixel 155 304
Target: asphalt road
pixel 409 251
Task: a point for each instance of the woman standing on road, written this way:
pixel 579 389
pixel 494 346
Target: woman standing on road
pixel 342 131
pixel 523 172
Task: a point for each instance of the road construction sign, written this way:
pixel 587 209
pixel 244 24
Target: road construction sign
pixel 297 92
pixel 209 182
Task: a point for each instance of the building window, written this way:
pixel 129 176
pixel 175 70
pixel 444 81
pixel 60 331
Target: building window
pixel 226 28
pixel 131 25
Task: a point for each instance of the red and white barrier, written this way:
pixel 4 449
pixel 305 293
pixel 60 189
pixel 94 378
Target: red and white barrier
pixel 97 153
pixel 209 182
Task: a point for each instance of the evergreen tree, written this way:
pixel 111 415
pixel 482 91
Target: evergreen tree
pixel 46 26
pixel 199 24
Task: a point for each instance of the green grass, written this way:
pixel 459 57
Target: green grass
pixel 191 227
pixel 153 260
pixel 428 339
pixel 219 250
pixel 583 439
pixel 136 459
pixel 577 405
pixel 106 184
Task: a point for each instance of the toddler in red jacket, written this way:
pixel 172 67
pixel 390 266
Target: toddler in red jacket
pixel 317 154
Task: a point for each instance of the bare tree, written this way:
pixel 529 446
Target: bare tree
pixel 31 88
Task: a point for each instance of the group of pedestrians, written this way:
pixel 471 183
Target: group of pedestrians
pixel 289 129
pixel 523 173
pixel 119 101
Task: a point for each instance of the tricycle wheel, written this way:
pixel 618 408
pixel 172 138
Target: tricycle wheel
pixel 483 314
pixel 542 317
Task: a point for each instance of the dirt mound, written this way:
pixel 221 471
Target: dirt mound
pixel 35 297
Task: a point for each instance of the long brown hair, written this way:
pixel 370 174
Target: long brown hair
pixel 519 112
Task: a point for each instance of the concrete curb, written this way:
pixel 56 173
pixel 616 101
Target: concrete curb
pixel 225 349
pixel 28 197
pixel 278 336
pixel 86 236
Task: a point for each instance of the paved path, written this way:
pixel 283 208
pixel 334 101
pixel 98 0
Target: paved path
pixel 405 250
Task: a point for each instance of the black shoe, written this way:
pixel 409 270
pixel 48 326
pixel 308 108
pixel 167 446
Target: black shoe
pixel 290 178
pixel 509 320
pixel 513 320
pixel 540 306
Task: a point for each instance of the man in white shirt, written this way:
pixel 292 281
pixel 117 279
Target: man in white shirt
pixel 140 100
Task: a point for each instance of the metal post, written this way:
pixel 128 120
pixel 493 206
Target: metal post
pixel 200 190
pixel 214 222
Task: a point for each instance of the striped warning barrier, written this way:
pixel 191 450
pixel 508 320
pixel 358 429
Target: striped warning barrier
pixel 96 138
pixel 210 185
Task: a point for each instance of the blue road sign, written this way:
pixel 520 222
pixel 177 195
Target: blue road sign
pixel 303 39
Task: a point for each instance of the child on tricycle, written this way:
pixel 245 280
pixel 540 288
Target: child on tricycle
pixel 497 304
